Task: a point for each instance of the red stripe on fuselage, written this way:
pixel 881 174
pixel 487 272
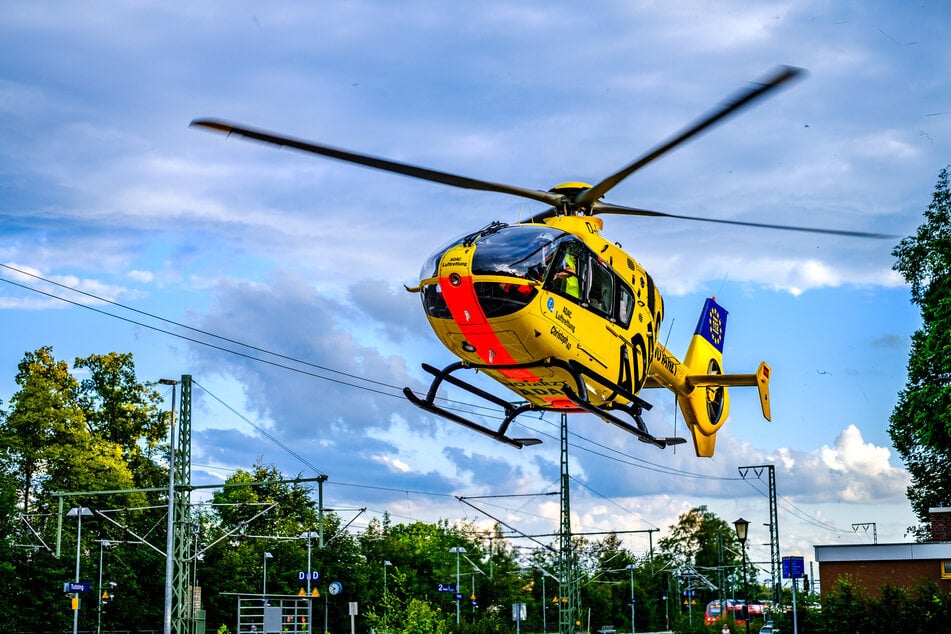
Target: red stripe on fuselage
pixel 466 311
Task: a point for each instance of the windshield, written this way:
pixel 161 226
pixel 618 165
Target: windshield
pixel 518 251
pixel 523 251
pixel 431 265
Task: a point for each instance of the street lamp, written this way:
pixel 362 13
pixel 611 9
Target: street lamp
pixel 631 568
pixel 386 604
pixel 742 526
pixel 458 550
pixel 267 556
pixel 103 543
pixel 544 574
pixel 77 512
pixel 309 535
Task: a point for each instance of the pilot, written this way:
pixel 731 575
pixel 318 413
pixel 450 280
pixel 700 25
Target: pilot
pixel 569 273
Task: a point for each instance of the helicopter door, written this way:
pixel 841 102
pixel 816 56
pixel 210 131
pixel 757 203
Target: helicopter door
pixel 601 290
pixel 568 277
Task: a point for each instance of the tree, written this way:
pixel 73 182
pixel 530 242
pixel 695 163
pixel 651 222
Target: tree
pixel 44 417
pixel 63 436
pixel 121 410
pixel 920 425
pixel 703 544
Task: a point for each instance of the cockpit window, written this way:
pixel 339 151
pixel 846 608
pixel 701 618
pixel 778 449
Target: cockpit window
pixel 625 305
pixel 431 265
pixel 517 251
pixel 569 274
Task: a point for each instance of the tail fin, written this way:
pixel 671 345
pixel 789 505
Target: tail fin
pixel 707 406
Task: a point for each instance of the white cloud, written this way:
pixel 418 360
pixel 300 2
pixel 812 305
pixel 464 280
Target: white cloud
pixel 851 470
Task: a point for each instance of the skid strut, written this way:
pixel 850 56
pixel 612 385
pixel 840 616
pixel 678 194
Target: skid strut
pixel 578 395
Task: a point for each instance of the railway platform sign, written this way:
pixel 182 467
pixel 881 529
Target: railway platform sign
pixel 793 567
pixel 76 586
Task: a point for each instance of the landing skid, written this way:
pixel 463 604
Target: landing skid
pixel 511 410
pixel 639 429
pixel 578 396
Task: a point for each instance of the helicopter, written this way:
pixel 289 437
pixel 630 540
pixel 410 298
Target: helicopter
pixel 560 315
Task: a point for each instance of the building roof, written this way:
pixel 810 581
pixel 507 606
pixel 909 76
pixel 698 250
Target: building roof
pixel 883 552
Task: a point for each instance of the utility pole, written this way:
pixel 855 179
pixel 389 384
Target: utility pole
pixel 865 526
pixel 180 593
pixel 775 559
pixel 567 587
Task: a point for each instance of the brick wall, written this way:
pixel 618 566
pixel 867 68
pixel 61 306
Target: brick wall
pixel 940 524
pixel 872 575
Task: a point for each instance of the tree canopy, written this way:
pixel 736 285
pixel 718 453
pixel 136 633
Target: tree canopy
pixel 62 437
pixel 920 425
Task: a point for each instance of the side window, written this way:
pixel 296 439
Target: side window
pixel 625 305
pixel 601 291
pixel 568 276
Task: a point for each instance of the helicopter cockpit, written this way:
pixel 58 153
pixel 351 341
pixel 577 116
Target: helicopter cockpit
pixel 502 251
pixel 542 256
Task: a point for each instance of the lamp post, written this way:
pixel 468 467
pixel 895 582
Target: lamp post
pixel 267 556
pixel 544 574
pixel 170 537
pixel 103 543
pixel 458 550
pixel 742 526
pixel 309 535
pixel 77 512
pixel 631 568
pixel 386 604
pixel 544 607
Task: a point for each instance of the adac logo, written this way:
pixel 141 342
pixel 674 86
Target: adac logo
pixel 551 304
pixel 715 326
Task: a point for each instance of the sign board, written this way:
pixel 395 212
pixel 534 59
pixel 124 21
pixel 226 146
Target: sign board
pixel 314 575
pixel 793 567
pixel 446 587
pixel 519 612
pixel 76 586
pixel 272 620
pixel 354 606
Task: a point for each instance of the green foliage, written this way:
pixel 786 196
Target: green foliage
pixel 421 618
pixel 920 425
pixel 709 545
pixel 57 427
pixel 57 437
pixel 848 608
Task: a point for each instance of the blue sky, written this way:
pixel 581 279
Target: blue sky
pixel 106 189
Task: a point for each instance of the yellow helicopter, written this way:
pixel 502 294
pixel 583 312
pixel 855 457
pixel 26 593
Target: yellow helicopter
pixel 560 315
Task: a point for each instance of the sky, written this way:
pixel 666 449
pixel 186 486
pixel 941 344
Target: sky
pixel 275 279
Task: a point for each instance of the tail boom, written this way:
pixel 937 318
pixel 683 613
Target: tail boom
pixel 699 382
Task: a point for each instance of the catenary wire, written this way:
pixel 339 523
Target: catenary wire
pixel 624 459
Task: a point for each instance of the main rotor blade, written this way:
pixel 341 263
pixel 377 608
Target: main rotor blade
pixel 739 101
pixel 378 163
pixel 606 208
